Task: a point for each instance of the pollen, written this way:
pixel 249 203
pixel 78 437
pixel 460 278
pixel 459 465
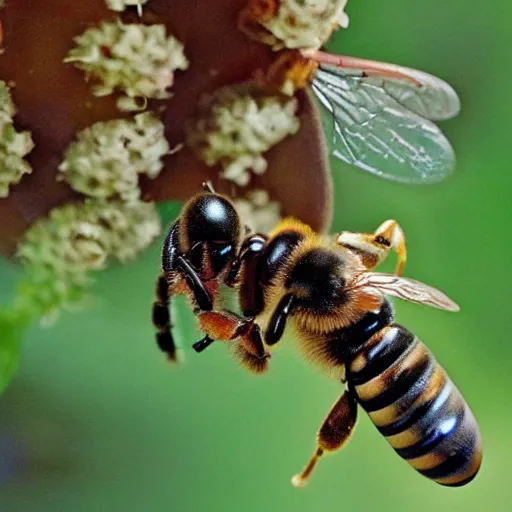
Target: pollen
pixel 291 71
pixel 137 60
pixel 14 145
pixel 121 5
pixel 107 158
pixel 258 211
pixel 236 125
pixel 302 24
pixel 60 251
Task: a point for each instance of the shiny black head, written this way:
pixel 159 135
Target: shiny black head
pixel 209 221
pixel 317 281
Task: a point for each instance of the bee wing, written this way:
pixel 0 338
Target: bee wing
pixel 406 289
pixel 376 127
pixel 422 93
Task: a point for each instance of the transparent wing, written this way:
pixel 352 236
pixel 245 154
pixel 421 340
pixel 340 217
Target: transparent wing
pixel 405 289
pixel 423 93
pixel 431 97
pixel 373 130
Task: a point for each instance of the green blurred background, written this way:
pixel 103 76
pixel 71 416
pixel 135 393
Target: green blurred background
pixel 100 421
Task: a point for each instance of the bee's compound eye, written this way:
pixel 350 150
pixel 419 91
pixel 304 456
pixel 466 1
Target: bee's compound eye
pixel 220 255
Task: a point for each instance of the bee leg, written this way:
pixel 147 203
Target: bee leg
pixel 202 297
pixel 250 351
pixel 375 247
pixel 246 264
pixel 245 336
pixel 277 324
pixel 162 319
pixel 175 263
pixel 333 434
pixel 202 344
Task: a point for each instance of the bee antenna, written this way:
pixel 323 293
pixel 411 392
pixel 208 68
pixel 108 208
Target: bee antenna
pixel 208 186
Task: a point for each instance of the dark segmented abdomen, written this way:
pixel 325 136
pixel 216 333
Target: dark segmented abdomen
pixel 416 406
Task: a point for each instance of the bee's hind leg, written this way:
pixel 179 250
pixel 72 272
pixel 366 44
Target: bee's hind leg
pixel 375 247
pixel 333 434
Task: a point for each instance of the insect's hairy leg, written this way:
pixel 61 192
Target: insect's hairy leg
pixel 245 336
pixel 174 265
pixel 162 319
pixel 333 434
pixel 277 324
pixel 374 248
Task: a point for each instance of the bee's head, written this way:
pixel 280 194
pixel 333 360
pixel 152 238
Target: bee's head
pixel 210 222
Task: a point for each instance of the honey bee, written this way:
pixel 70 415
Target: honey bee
pixel 326 292
pixel 379 114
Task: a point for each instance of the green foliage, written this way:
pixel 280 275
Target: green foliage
pixel 12 325
pixel 58 255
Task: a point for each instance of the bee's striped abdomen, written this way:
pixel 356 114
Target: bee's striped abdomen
pixel 416 406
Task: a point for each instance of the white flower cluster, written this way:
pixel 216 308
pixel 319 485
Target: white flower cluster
pixel 138 60
pixel 14 146
pixel 258 212
pixel 236 125
pixel 107 157
pixel 305 24
pixel 58 252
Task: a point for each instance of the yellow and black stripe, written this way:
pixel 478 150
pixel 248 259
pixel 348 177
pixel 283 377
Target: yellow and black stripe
pixel 416 406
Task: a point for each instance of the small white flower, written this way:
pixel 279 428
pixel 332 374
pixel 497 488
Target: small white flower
pixel 107 157
pixel 60 251
pixel 304 24
pixel 14 146
pixel 138 60
pixel 236 125
pixel 258 212
pixel 121 5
